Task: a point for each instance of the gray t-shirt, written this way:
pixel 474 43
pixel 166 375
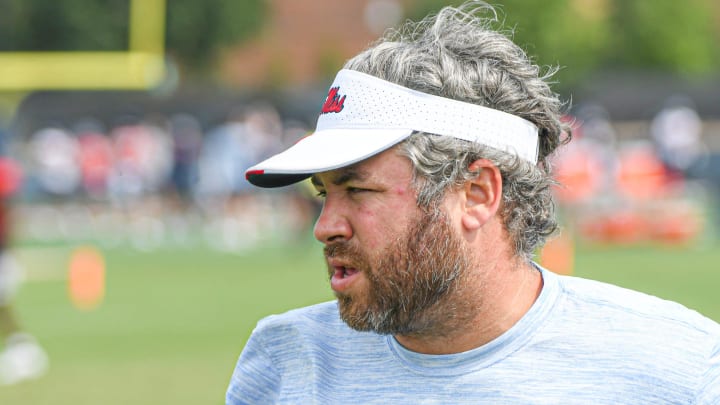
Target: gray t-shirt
pixel 582 342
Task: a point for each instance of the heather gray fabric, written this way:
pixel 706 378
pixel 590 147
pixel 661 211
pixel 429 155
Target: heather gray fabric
pixel 582 342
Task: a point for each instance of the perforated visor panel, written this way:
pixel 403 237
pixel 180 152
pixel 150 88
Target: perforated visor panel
pixel 364 115
pixel 371 102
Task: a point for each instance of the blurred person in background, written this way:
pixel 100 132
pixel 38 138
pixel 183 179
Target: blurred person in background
pixel 187 136
pixel 249 133
pixel 586 167
pixel 221 160
pixel 224 154
pixel 54 162
pixel 677 133
pixel 95 156
pixel 21 357
pixel 143 159
pixel 431 152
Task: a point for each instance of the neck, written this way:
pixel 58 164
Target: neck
pixel 489 303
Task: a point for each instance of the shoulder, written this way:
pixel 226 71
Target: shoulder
pixel 613 301
pixel 314 336
pixel 279 348
pixel 311 318
pixel 304 330
pixel 636 322
pixel 638 338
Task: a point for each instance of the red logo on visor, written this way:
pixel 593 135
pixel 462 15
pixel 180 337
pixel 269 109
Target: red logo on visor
pixel 333 103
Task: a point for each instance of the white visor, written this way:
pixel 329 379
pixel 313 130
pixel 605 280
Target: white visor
pixel 363 116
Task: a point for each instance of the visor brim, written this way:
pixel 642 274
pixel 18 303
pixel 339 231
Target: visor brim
pixel 322 151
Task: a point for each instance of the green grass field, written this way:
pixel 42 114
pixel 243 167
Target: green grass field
pixel 174 321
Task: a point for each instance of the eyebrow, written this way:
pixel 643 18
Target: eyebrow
pixel 347 174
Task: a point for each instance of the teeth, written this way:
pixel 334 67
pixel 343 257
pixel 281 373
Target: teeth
pixel 344 272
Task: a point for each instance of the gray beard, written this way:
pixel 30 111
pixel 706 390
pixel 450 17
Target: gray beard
pixel 415 287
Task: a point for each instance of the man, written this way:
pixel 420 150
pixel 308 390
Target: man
pixel 431 153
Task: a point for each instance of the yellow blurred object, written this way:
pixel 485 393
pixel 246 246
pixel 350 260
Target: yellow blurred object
pixel 142 66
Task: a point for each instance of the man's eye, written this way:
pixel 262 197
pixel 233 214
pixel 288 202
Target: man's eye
pixel 321 194
pixel 355 190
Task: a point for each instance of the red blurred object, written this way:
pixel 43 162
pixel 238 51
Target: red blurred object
pixel 619 227
pixel 677 224
pixel 579 173
pixel 642 175
pixel 96 161
pixel 10 177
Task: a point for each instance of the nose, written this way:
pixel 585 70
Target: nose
pixel 332 225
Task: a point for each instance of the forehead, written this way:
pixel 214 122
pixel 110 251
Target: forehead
pixel 387 167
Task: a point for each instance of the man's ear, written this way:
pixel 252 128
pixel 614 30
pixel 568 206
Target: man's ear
pixel 483 194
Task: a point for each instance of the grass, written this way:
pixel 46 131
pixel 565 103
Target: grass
pixel 174 321
pixel 169 330
pixel 690 276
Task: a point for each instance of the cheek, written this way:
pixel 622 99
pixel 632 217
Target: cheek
pixel 401 192
pixel 371 229
pixel 387 230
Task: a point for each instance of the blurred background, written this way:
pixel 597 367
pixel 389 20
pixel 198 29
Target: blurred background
pixel 134 257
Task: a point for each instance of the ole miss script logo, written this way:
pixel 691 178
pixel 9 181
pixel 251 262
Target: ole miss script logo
pixel 333 103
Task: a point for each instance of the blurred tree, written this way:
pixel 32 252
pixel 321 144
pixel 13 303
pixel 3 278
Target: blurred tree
pixel 67 25
pixel 679 36
pixel 572 34
pixel 582 36
pixel 195 29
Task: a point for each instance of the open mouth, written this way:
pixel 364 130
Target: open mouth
pixel 342 277
pixel 344 272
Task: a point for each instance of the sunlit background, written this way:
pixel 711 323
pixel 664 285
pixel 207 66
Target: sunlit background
pixel 141 256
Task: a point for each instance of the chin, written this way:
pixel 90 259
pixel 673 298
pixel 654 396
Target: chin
pixel 355 314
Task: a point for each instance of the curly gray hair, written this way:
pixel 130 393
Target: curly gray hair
pixel 456 54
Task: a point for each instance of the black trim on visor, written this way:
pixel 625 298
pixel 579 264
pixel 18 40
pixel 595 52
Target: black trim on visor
pixel 273 180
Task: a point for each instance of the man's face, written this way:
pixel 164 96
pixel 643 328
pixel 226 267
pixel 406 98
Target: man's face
pixel 393 266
